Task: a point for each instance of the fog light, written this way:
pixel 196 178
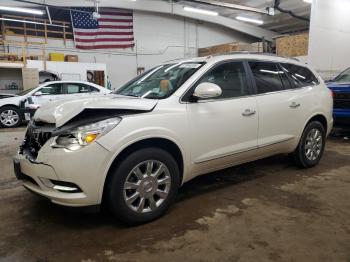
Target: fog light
pixel 66 189
pixel 61 186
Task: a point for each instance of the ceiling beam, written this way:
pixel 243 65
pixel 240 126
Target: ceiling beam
pixel 280 26
pixel 281 18
pixel 165 7
pixel 231 6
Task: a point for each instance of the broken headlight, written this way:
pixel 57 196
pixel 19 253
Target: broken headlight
pixel 81 136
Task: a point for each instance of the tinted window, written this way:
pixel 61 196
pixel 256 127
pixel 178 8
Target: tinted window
pixel 231 77
pixel 53 89
pixel 267 77
pixel 285 80
pixel 301 76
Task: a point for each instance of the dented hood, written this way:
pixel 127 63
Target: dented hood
pixel 60 112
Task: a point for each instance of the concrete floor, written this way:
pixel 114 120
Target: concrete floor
pixel 268 210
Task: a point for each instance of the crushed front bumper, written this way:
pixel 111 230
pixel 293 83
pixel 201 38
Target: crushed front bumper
pixel 84 168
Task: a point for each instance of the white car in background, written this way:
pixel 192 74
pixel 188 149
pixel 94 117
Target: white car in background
pixel 133 149
pixel 11 114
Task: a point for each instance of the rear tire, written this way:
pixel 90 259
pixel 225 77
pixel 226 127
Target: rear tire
pixel 10 116
pixel 311 145
pixel 143 186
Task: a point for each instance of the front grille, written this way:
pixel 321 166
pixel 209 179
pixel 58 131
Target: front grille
pixel 342 100
pixel 36 136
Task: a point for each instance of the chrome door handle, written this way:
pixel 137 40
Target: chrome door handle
pixel 294 105
pixel 248 112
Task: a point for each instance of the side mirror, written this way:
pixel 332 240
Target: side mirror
pixel 207 90
pixel 39 93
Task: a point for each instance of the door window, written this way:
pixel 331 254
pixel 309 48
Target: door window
pixel 73 88
pixel 285 79
pixel 231 78
pixel 267 77
pixel 52 89
pixel 300 76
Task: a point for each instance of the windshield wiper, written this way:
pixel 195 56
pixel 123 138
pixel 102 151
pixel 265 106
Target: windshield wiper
pixel 132 95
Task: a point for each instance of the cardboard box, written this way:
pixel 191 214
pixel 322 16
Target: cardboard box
pixel 295 45
pixel 71 58
pixel 58 57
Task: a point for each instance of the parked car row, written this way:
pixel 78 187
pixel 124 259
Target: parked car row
pixel 14 109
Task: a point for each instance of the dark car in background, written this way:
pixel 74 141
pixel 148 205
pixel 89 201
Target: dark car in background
pixel 340 87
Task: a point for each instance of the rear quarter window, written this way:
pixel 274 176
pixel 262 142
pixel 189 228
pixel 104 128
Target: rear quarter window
pixel 300 76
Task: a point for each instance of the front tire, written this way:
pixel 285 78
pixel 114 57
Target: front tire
pixel 311 145
pixel 10 117
pixel 143 186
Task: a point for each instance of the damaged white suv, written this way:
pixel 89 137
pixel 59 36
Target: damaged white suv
pixel 132 150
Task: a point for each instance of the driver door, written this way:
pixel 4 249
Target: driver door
pixel 50 92
pixel 223 130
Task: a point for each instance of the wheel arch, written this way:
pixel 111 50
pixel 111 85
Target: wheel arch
pixel 320 118
pixel 10 105
pixel 158 142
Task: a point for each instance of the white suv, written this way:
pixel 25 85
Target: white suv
pixel 132 150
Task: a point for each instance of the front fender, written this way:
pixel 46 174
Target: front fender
pixel 134 137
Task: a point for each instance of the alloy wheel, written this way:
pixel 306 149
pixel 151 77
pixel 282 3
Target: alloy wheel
pixel 147 186
pixel 313 144
pixel 9 117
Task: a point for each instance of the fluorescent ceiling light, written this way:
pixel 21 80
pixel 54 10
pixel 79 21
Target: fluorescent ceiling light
pixel 22 10
pixel 200 11
pixel 308 1
pixel 250 20
pixel 30 22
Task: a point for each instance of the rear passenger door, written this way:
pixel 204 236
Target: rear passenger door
pixel 280 106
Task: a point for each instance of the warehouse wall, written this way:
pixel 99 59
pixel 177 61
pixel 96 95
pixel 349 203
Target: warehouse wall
pixel 329 50
pixel 158 37
pixel 10 77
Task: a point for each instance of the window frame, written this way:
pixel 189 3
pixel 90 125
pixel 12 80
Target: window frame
pixel 80 85
pixel 252 89
pixel 253 78
pixel 186 97
pixel 294 86
pixel 50 84
pixel 279 64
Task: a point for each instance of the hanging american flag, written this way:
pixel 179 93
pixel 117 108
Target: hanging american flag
pixel 113 30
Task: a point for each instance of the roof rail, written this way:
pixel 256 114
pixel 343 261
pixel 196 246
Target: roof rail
pixel 254 53
pixel 231 53
pixel 185 59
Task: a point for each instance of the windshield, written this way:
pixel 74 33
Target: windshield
pixel 343 77
pixel 24 92
pixel 160 82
